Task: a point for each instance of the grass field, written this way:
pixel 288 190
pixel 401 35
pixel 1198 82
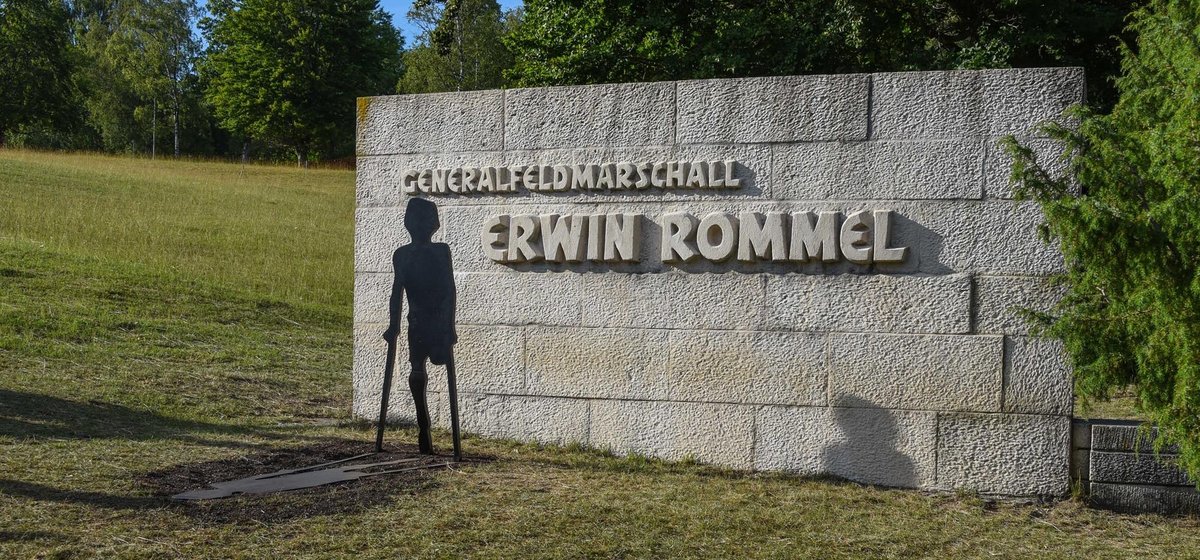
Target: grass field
pixel 159 320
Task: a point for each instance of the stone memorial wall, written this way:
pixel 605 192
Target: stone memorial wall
pixel 812 274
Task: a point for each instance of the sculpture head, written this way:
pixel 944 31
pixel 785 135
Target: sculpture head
pixel 421 219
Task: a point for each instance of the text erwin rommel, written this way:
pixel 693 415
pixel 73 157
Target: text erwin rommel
pixel 861 237
pixel 561 178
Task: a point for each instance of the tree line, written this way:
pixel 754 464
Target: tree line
pixel 277 78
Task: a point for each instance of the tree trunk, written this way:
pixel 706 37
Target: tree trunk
pixel 245 151
pixel 175 118
pixel 153 128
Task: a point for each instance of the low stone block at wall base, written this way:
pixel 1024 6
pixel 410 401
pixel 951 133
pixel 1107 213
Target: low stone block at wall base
pixel 1142 468
pixel 718 434
pixel 1141 498
pixel 868 445
pixel 1007 454
pixel 538 419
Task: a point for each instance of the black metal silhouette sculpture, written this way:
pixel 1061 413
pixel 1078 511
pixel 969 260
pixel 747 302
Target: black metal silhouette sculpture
pixel 425 274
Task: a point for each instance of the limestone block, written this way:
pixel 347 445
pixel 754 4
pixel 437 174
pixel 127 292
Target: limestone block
pixel 435 122
pixel 885 170
pixel 999 164
pixel 720 434
pixel 672 300
pixel 507 298
pixel 774 109
pixel 746 367
pixel 639 114
pixel 522 418
pixel 1010 454
pixel 971 103
pixel 1136 468
pixel 879 303
pixel 993 237
pixel 920 372
pixel 864 444
pixel 1140 498
pixel 372 293
pixel 1128 436
pixel 1037 377
pixel 999 301
pixel 378 178
pixel 378 232
pixel 597 363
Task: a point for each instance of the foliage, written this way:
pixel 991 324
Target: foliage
pixel 1132 239
pixel 288 71
pixel 460 47
pixel 36 85
pixel 140 57
pixel 592 41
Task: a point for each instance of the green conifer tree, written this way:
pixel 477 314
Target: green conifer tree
pixel 1128 222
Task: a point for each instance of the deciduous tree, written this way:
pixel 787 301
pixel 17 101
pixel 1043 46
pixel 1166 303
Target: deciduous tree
pixel 288 71
pixel 36 82
pixel 460 46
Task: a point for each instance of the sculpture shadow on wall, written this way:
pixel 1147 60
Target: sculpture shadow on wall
pixel 866 447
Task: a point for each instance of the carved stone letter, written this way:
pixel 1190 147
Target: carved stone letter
pixel 809 240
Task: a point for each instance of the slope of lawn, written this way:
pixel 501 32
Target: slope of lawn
pixel 164 320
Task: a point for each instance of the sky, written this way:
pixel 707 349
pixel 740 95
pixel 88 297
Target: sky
pixel 399 8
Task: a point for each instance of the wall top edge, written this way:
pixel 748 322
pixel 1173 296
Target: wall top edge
pixel 992 71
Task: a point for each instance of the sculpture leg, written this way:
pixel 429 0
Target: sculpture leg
pixel 416 383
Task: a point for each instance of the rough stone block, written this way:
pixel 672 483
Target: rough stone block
pixel 879 303
pixel 971 103
pixel 1138 498
pixel 868 445
pixel 437 122
pixel 518 299
pixel 377 234
pixel 640 114
pixel 747 367
pixel 1037 377
pixel 921 372
pixel 713 301
pixel 1129 436
pixel 1136 468
pixel 997 238
pixel 720 434
pixel 999 164
pixel 372 293
pixel 774 109
pixel 940 169
pixel 1009 454
pixel 999 301
pixel 597 363
pixel 522 418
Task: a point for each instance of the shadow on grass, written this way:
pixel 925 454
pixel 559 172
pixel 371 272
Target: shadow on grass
pixel 33 416
pixel 334 499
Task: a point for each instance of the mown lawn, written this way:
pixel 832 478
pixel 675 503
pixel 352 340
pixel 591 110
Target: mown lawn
pixel 160 318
